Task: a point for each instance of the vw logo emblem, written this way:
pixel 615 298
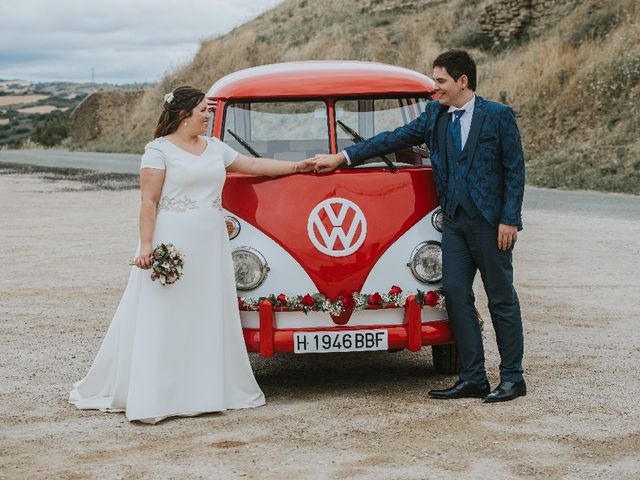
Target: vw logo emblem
pixel 337 227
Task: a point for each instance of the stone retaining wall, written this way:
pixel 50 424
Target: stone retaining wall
pixel 506 20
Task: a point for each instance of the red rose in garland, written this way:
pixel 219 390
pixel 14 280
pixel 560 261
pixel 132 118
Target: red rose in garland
pixel 395 290
pixel 431 299
pixel 282 298
pixel 348 302
pixel 375 299
pixel 308 301
pixel 240 303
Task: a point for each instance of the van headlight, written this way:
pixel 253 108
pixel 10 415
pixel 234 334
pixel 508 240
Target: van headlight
pixel 426 262
pixel 250 268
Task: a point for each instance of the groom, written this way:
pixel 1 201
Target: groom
pixel 478 168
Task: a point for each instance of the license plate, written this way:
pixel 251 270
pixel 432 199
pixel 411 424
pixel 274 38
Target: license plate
pixel 341 341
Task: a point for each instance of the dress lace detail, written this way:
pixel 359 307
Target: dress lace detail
pixel 176 204
pixel 217 203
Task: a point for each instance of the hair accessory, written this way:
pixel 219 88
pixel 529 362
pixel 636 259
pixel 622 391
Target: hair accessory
pixel 168 98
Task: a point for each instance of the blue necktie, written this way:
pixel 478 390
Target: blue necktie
pixel 454 129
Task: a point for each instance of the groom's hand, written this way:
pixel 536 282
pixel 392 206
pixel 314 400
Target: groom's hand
pixel 507 236
pixel 328 163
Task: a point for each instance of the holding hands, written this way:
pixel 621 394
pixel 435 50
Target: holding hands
pixel 327 163
pixel 321 163
pixel 304 166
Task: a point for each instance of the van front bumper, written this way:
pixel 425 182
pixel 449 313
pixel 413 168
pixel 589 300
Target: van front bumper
pixel 412 334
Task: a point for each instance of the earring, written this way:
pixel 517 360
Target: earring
pixel 185 124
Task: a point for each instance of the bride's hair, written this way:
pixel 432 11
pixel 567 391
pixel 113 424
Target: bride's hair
pixel 177 106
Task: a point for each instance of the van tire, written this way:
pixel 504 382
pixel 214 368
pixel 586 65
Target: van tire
pixel 445 358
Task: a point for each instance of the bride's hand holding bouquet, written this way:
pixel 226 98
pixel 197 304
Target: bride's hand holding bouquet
pixel 165 260
pixel 145 259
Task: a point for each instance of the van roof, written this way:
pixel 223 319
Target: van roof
pixel 320 79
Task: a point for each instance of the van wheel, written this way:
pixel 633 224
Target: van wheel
pixel 445 358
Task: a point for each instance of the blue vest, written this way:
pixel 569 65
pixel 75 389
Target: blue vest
pixel 457 191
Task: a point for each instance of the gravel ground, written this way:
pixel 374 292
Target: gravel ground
pixel 64 247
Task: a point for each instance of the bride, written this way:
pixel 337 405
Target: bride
pixel 178 350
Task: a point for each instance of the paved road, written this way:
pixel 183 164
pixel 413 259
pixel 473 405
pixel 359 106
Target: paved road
pixel 101 162
pixel 586 203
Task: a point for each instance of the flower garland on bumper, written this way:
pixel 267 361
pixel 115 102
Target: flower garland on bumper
pixel 355 301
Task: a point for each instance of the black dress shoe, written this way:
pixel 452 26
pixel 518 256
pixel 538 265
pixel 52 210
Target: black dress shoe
pixel 462 389
pixel 507 391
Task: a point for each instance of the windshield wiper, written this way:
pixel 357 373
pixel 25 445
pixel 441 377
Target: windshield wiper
pixel 244 143
pixel 356 138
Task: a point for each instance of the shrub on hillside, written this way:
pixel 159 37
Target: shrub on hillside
pixel 599 23
pixel 468 35
pixel 54 130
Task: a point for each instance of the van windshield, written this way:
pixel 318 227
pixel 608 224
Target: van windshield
pixel 280 130
pixel 358 119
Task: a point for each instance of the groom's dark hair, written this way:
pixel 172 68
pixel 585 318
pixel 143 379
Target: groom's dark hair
pixel 457 63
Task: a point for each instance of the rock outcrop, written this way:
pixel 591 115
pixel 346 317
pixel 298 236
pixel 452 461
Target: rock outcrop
pixel 101 113
pixel 395 6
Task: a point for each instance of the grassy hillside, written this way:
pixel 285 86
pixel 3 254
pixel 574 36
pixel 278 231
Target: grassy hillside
pixel 574 82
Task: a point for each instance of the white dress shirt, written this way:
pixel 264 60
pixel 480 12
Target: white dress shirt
pixel 465 118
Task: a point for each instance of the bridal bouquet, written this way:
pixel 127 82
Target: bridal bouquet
pixel 167 264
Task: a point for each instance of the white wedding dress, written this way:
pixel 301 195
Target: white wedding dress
pixel 178 350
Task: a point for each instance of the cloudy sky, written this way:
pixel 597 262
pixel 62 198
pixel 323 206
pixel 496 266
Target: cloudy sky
pixel 116 41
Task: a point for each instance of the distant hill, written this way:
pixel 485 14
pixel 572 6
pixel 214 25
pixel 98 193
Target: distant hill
pixel 569 68
pixel 30 110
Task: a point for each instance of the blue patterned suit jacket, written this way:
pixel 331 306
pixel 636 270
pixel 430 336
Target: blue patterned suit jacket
pixel 495 177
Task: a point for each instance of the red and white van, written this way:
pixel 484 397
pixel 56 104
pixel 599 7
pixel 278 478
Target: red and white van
pixel 344 262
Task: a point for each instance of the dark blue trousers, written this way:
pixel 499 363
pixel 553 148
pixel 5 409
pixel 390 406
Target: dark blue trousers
pixel 469 244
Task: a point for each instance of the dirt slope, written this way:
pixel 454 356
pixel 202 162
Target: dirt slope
pixel 570 69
